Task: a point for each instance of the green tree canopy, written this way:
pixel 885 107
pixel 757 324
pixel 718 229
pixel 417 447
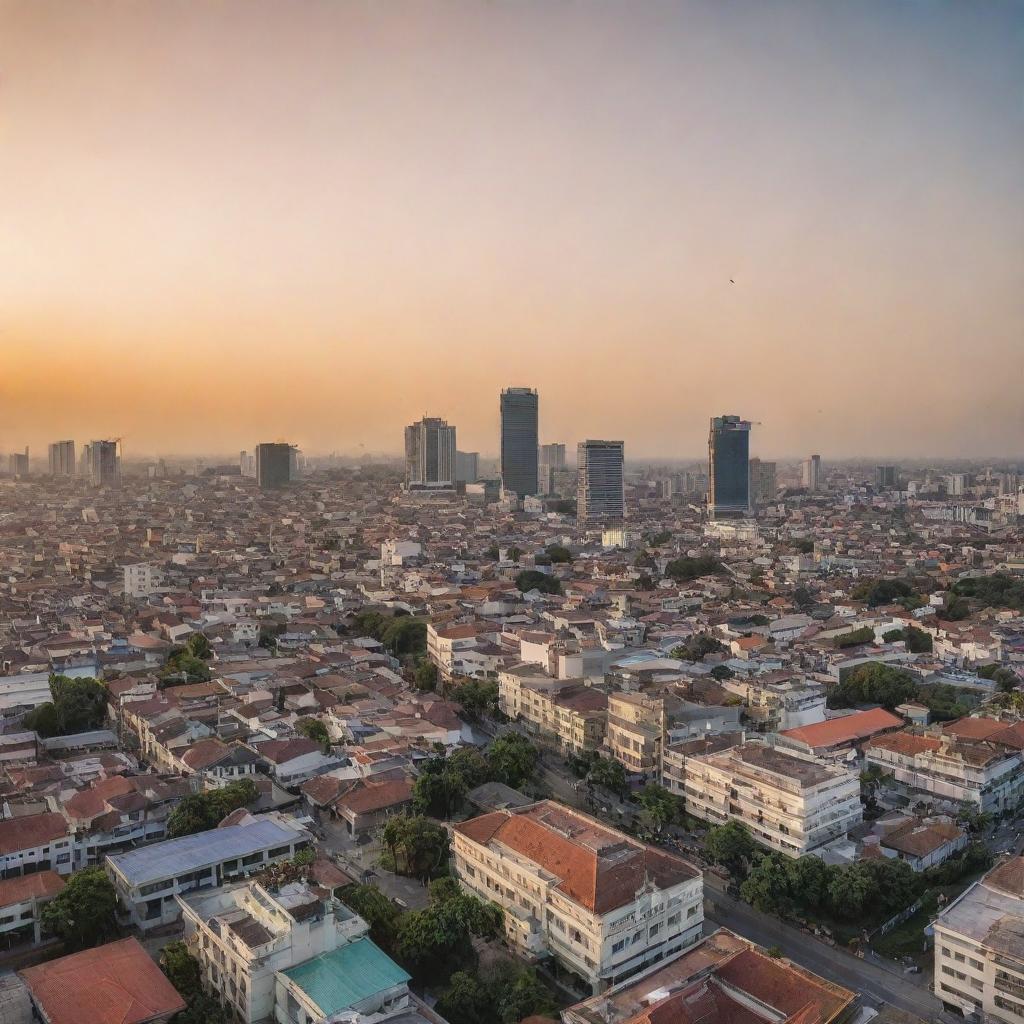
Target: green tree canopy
pixel 663 807
pixel 426 675
pixel 417 846
pixel 200 812
pixel 683 570
pixel 83 913
pixel 855 637
pixel 478 698
pixel 76 705
pixel 732 846
pixel 883 591
pixel 558 554
pixel 507 994
pixel 513 760
pixel 532 579
pixel 873 683
pixel 698 647
pixel 995 591
pixel 377 910
pixel 314 729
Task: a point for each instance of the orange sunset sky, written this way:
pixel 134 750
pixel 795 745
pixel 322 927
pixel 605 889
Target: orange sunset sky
pixel 230 221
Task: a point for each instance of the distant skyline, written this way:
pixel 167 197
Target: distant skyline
pixel 237 222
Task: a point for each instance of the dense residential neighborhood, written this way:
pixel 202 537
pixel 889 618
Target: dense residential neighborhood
pixel 358 748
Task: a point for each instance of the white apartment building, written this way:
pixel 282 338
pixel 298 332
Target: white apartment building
pixel 790 803
pixel 777 706
pixel 142 579
pixel 951 768
pixel 979 947
pixel 243 934
pixel 565 712
pixel 602 904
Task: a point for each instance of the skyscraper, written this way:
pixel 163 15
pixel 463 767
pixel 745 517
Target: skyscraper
pixel 762 482
pixel 18 463
pixel 62 458
pixel 273 465
pixel 888 476
pixel 104 464
pixel 728 468
pixel 430 454
pixel 812 473
pixel 553 455
pixel 467 467
pixel 600 487
pixel 519 408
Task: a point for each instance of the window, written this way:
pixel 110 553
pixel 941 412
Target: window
pixel 654 929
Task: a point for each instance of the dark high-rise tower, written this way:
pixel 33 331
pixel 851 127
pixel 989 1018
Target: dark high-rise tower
pixel 729 468
pixel 273 465
pixel 600 488
pixel 519 440
pixel 104 464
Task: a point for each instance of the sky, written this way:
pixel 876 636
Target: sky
pixel 236 221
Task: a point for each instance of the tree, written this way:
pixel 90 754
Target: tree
pixel 405 635
pixel 644 560
pixel 721 672
pixel 873 683
pixel 644 582
pixel 917 640
pixel 698 647
pixel 850 890
pixel 471 765
pixel 314 729
pixel 468 999
pixel 996 591
pixel 663 807
pixel 200 812
pixel 732 846
pixel 185 974
pixel 199 647
pixel 438 794
pixel 683 570
pixel 802 597
pixel 558 554
pixel 531 579
pixel 184 667
pixel 609 774
pixel 377 910
pixel 426 675
pixel 423 846
pixel 83 913
pixel 767 888
pixel 855 637
pixel 513 759
pixel 477 698
pixel 661 538
pixel 882 591
pixel 434 941
pixel 76 705
pixel 956 609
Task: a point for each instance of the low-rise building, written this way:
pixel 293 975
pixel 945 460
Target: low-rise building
pixel 118 983
pixel 836 736
pixel 979 947
pixel 602 904
pixel 636 726
pixel 790 803
pixel 148 879
pixel 724 978
pixel 35 842
pixel 21 903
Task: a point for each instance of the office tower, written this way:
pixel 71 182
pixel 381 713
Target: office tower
pixel 728 467
pixel 429 454
pixel 467 467
pixel 62 458
pixel 519 440
pixel 273 464
pixel 104 464
pixel 553 455
pixel 812 473
pixel 887 476
pixel 762 482
pixel 247 463
pixel 18 463
pixel 600 487
pixel 296 463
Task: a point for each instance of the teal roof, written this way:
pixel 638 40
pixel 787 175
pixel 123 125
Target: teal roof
pixel 348 975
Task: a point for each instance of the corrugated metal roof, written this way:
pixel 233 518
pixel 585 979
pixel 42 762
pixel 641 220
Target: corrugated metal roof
pixel 348 975
pixel 175 856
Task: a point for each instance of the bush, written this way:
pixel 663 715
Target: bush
pixel 683 570
pixel 531 579
pixel 855 637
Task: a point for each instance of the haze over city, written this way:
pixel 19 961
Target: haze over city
pixel 226 223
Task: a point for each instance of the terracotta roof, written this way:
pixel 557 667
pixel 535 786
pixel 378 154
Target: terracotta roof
pixel 974 728
pixel 113 984
pixel 366 797
pixel 918 839
pixel 282 751
pixel 599 868
pixel 849 728
pixel 40 885
pixel 31 831
pixel 905 743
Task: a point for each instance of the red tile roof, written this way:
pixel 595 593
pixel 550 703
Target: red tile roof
pixel 367 797
pixel 599 868
pixel 31 831
pixel 113 984
pixel 848 729
pixel 41 885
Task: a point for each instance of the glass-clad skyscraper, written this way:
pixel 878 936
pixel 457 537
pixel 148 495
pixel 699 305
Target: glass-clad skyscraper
pixel 519 408
pixel 729 468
